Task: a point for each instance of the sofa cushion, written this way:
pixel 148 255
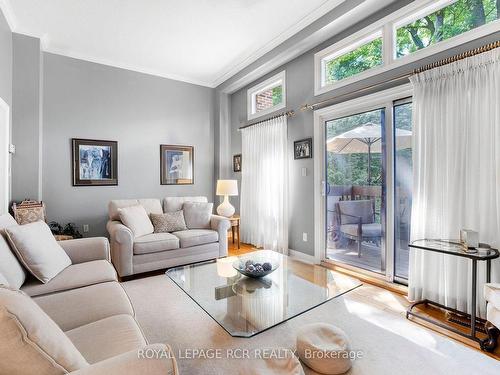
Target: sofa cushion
pixel 492 294
pixel 37 249
pixel 155 242
pixel 74 308
pixel 136 219
pixel 195 237
pixel 10 267
pixel 31 342
pixel 75 276
pixel 197 215
pixel 175 203
pixel 6 221
pixel 168 222
pixel 493 315
pixel 150 205
pixel 12 271
pixel 107 337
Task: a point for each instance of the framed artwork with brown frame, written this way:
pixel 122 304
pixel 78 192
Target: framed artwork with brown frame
pixel 176 165
pixel 237 163
pixel 95 162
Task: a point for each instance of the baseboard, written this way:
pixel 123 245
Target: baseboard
pixel 298 255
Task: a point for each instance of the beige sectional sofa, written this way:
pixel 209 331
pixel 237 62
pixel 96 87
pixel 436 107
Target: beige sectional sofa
pixel 132 255
pixel 79 322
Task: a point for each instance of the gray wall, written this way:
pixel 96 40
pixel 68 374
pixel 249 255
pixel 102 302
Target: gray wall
pixel 26 117
pixel 87 100
pixel 300 90
pixel 5 60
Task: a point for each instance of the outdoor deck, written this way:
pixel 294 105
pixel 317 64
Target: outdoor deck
pixel 370 257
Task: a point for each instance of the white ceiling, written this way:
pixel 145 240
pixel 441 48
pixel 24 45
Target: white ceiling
pixel 198 41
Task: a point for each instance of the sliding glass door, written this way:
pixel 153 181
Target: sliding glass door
pixel 355 149
pixel 367 184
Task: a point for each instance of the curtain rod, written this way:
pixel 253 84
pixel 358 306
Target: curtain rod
pixel 449 60
pixel 286 113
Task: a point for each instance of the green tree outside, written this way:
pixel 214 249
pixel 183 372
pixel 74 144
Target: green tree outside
pixel 452 20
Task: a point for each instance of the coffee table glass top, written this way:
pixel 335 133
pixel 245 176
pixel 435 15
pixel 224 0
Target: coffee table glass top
pixel 245 306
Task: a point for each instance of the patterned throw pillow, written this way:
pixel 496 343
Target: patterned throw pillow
pixel 168 222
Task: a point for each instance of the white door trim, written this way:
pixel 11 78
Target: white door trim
pixel 5 159
pixel 381 99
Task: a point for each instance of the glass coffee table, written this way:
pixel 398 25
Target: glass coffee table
pixel 245 306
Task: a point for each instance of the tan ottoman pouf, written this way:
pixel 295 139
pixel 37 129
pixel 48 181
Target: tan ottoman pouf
pixel 287 364
pixel 324 348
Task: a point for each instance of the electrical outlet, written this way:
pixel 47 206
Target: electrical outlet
pixel 85 228
pixel 304 237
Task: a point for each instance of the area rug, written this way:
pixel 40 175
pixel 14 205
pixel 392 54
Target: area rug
pixel 387 342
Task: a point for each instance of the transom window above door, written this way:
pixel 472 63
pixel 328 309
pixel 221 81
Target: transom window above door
pixel 417 30
pixel 267 96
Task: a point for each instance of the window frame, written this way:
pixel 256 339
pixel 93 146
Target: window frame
pixel 389 25
pixel 337 51
pixel 272 82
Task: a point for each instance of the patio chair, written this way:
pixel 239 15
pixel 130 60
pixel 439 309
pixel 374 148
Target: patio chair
pixel 357 221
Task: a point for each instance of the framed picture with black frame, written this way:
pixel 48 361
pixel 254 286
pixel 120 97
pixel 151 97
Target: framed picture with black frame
pixel 176 165
pixel 302 149
pixel 95 162
pixel 237 163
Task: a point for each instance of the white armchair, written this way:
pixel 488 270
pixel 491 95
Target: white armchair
pixel 492 296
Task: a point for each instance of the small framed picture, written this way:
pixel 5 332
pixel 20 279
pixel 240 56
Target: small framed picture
pixel 95 162
pixel 237 163
pixel 302 149
pixel 176 165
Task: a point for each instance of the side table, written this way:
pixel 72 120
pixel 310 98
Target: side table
pixel 455 248
pixel 235 227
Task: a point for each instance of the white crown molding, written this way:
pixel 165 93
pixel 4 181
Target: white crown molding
pixel 8 14
pixel 324 8
pixel 304 22
pixel 120 65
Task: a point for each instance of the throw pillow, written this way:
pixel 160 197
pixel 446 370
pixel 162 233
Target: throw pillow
pixel 136 219
pixel 197 215
pixel 12 271
pixel 168 222
pixel 32 343
pixel 38 250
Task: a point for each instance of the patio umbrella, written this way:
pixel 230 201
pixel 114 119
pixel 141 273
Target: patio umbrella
pixel 365 139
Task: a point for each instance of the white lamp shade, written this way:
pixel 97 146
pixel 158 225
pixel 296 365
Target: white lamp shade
pixel 227 187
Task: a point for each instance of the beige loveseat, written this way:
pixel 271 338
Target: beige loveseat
pixel 492 296
pixel 132 255
pixel 79 322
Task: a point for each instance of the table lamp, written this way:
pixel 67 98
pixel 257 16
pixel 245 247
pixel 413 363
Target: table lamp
pixel 226 188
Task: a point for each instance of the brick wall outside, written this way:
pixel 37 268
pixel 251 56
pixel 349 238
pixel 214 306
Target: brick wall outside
pixel 264 100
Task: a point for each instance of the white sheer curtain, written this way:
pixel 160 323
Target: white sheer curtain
pixel 456 166
pixel 264 185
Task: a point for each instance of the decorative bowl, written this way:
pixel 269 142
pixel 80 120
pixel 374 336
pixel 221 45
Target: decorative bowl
pixel 255 267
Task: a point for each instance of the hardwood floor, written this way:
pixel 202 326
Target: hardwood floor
pixel 390 299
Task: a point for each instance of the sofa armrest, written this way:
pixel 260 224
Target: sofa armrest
pixel 86 249
pixel 154 359
pixel 221 224
pixel 122 247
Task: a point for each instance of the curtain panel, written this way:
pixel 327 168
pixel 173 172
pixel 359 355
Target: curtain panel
pixel 456 174
pixel 264 185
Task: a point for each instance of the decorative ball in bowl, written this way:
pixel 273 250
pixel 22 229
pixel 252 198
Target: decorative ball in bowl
pixel 258 267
